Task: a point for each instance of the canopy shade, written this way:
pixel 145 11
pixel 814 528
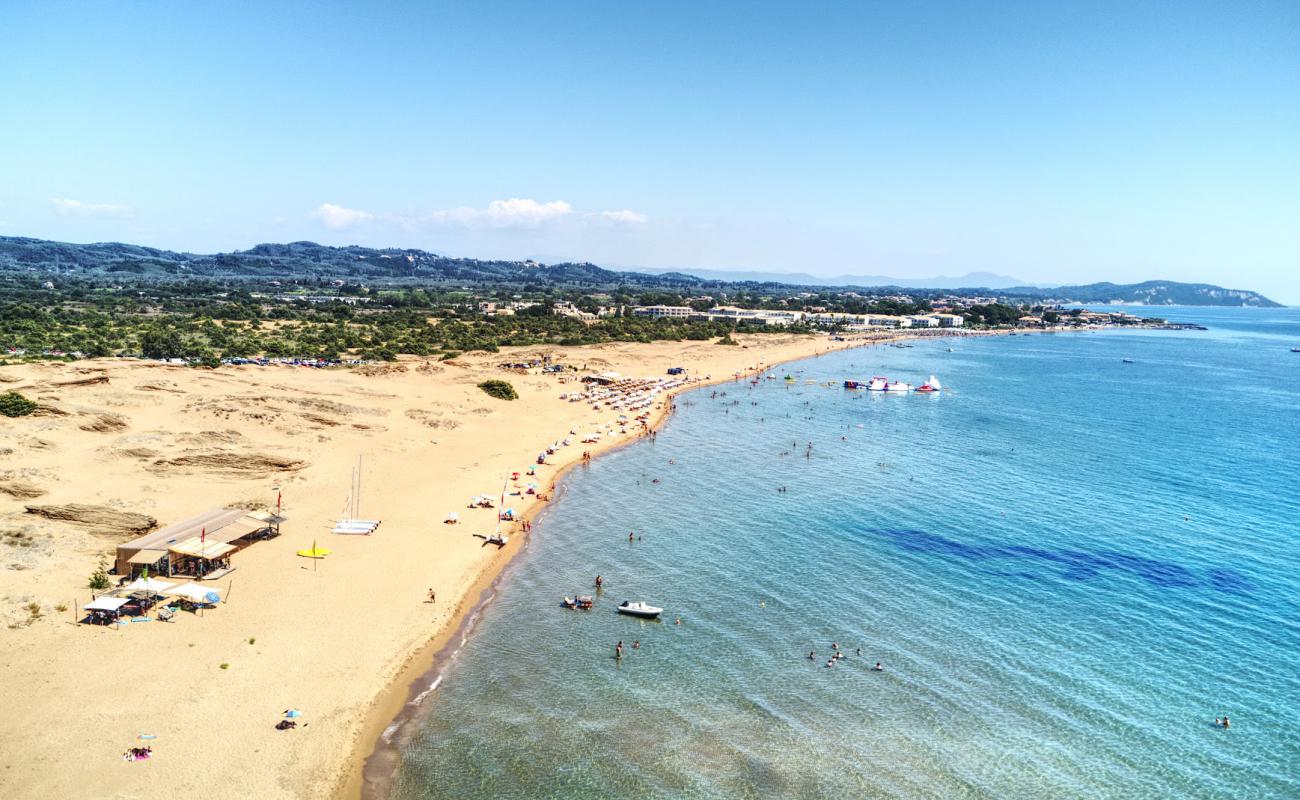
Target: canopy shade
pixel 146 556
pixel 192 591
pixel 148 585
pixel 106 604
pixel 200 549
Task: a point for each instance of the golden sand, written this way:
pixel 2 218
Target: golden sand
pixel 332 638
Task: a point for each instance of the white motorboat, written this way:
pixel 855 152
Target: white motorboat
pixel 898 386
pixel 878 384
pixel 639 609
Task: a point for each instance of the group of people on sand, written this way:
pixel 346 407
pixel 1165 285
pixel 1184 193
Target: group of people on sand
pixel 138 754
pixel 838 655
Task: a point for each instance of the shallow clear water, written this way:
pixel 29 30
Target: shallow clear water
pixel 1068 565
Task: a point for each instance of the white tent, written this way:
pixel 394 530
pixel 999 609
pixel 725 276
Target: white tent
pixel 192 591
pixel 148 585
pixel 106 604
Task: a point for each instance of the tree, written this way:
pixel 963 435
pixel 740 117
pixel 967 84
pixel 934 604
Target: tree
pixel 159 342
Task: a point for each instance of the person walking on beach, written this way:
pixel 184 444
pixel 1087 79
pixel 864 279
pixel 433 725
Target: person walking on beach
pixel 433 596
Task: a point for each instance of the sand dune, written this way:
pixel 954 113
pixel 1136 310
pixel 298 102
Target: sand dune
pixel 102 520
pixel 151 444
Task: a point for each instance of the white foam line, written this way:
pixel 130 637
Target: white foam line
pixel 419 698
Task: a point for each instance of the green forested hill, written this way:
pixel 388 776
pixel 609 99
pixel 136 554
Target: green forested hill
pixel 303 260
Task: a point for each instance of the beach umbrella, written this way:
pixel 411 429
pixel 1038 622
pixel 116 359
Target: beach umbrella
pixel 211 597
pixel 292 713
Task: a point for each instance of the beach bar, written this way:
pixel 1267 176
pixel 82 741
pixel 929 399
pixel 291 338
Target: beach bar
pixel 199 547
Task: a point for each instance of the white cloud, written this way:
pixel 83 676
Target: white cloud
pixel 624 216
pixel 515 212
pixel 336 217
pixel 75 208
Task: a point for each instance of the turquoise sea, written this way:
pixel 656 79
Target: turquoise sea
pixel 1068 566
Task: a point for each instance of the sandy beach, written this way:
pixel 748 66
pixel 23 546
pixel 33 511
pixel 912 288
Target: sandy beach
pixel 338 638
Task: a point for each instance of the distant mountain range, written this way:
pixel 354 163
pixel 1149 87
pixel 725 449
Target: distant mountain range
pixel 308 260
pixel 987 280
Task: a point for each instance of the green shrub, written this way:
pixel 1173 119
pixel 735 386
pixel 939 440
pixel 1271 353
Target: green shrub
pixel 502 390
pixel 99 580
pixel 13 404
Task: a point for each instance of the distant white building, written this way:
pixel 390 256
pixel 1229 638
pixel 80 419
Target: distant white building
pixel 661 312
pixel 761 316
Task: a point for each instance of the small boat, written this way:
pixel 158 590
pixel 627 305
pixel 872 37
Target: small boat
pixel 639 609
pixel 582 601
pixel 1295 349
pixel 878 384
pixel 898 386
pixel 931 385
pixel 1128 361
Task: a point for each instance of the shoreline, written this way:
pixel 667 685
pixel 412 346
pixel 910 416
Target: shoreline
pixel 400 700
pixel 392 702
pixel 166 441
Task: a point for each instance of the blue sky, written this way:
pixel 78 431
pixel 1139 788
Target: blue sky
pixel 1054 142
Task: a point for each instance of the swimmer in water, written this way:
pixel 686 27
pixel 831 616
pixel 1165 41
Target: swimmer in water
pixel 812 654
pixel 878 667
pixel 618 649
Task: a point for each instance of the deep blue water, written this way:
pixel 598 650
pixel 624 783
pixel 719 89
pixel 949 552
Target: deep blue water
pixel 1068 565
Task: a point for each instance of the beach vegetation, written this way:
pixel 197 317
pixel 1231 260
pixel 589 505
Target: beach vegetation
pixel 99 580
pixel 13 404
pixel 224 665
pixel 502 390
pixel 726 339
